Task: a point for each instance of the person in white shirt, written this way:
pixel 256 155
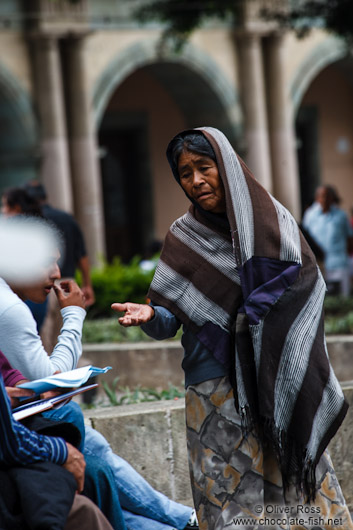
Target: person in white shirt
pixel 144 508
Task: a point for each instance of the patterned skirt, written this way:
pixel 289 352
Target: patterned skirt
pixel 237 484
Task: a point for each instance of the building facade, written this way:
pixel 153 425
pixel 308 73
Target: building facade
pixel 89 100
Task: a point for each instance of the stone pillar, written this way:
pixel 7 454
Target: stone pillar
pixel 254 106
pixel 281 127
pixel 55 167
pixel 83 149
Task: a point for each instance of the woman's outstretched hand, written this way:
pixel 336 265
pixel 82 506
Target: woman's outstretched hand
pixel 135 314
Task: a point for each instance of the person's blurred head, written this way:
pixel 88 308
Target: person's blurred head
pixel 38 290
pixel 326 196
pixel 16 201
pixel 36 190
pixel 30 248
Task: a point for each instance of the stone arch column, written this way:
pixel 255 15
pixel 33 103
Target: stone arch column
pixel 281 127
pixel 83 148
pixel 55 168
pixel 254 102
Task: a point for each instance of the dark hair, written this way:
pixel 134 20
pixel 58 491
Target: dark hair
pixel 194 142
pixel 335 198
pixel 36 190
pixel 27 204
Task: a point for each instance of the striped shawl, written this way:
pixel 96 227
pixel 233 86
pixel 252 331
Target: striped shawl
pixel 262 281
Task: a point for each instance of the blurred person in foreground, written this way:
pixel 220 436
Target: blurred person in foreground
pixel 262 401
pixel 329 226
pixel 74 256
pixel 17 201
pixel 144 508
pixel 34 491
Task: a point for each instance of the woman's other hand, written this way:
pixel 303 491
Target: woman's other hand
pixel 135 314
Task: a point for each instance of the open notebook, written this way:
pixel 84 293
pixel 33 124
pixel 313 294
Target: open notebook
pixel 73 379
pixel 41 405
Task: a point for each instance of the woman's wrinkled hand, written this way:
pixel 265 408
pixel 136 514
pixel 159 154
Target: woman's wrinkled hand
pixel 135 314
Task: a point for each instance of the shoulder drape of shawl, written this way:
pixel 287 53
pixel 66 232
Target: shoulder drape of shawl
pixel 284 381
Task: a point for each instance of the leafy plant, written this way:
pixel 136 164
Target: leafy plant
pixel 118 282
pixel 339 325
pixel 338 305
pixel 103 330
pixel 124 396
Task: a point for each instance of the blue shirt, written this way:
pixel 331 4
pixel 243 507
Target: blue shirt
pixel 331 231
pixel 19 445
pixel 199 364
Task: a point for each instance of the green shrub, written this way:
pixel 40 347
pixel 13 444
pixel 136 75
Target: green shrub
pixel 338 305
pixel 125 396
pixel 118 282
pixel 339 325
pixel 109 330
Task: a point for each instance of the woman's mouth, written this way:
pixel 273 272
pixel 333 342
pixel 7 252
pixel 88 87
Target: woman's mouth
pixel 203 195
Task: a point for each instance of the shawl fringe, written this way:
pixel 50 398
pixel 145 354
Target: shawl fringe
pixel 297 466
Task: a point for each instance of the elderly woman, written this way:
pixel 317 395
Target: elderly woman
pixel 262 401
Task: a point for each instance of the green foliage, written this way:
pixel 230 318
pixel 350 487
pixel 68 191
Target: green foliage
pixel 339 325
pixel 109 330
pixel 338 315
pixel 338 305
pixel 334 15
pixel 118 282
pixel 124 396
pixel 183 17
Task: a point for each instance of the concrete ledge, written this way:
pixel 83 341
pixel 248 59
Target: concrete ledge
pixel 148 364
pixel 158 363
pixel 151 436
pixel 340 350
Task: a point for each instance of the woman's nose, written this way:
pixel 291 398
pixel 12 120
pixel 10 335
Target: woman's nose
pixel 198 178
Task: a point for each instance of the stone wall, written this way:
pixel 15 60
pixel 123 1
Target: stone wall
pixel 151 436
pixel 156 364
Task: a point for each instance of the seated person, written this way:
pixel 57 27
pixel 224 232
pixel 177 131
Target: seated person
pixel 143 507
pixel 98 479
pixel 25 456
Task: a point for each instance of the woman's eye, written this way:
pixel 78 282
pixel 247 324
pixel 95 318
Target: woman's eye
pixel 185 175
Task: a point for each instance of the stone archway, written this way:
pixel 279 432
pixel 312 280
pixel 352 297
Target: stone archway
pixel 327 52
pixel 307 112
pixel 19 147
pixel 134 125
pixel 194 67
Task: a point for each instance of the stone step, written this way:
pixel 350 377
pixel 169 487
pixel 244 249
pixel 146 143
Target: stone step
pixel 151 437
pixel 158 363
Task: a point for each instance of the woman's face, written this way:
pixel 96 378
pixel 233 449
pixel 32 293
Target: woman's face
pixel 200 179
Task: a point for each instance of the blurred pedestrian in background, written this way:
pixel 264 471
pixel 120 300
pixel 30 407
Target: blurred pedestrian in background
pixel 17 201
pixel 330 228
pixel 74 256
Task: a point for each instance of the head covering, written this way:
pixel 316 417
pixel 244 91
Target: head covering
pixel 261 279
